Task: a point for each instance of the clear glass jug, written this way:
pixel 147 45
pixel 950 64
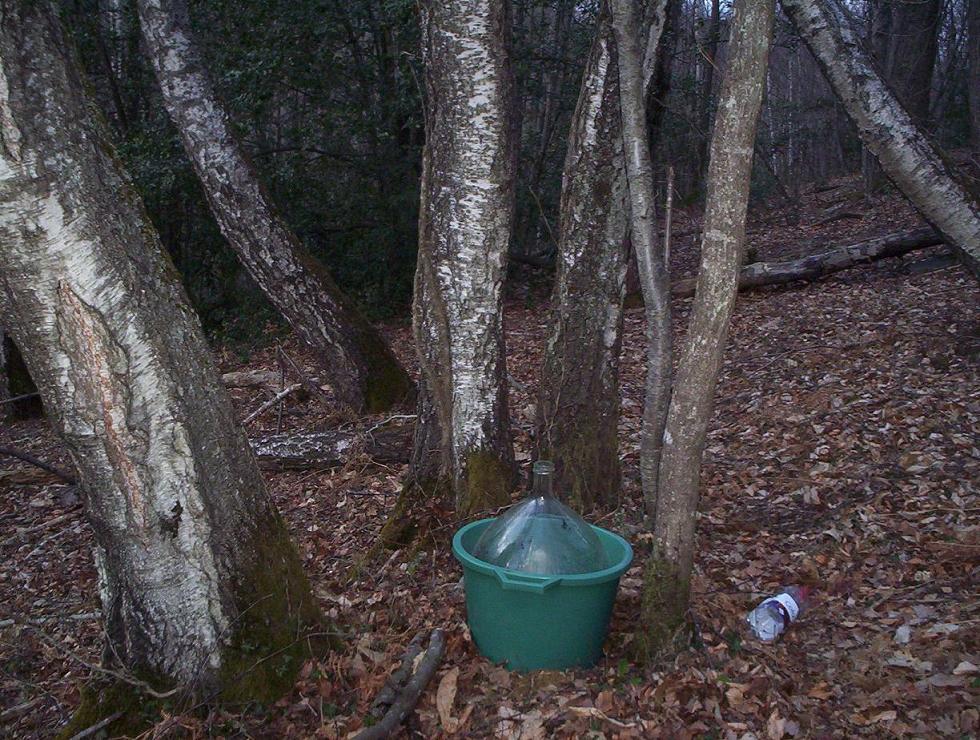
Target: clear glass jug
pixel 541 535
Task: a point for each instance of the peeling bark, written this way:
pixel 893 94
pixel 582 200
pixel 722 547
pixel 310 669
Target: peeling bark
pixel 330 449
pixel 905 153
pixel 465 221
pixel 668 572
pixel 363 371
pixel 200 586
pixel 639 28
pixel 578 408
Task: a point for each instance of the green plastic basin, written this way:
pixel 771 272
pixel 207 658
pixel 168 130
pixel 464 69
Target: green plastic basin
pixel 531 622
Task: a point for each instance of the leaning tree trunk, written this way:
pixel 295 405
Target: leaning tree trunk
pixel 905 154
pixel 578 409
pixel 667 578
pixel 638 32
pixel 466 215
pixel 200 586
pixel 364 373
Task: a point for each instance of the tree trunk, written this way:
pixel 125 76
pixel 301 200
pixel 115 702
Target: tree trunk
pixel 638 35
pixel 708 50
pixel 815 266
pixel 578 408
pixel 906 155
pixel 973 72
pixel 912 42
pixel 5 410
pixel 468 175
pixel 364 373
pixel 666 591
pixel 200 586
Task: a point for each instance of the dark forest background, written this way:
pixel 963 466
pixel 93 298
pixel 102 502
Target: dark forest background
pixel 326 97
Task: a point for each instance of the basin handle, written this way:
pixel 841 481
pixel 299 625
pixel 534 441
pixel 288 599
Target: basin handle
pixel 519 582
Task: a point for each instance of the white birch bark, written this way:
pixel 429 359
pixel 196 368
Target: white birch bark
pixel 187 539
pixel 465 223
pixel 905 153
pixel 668 571
pixel 638 31
pixel 364 373
pixel 578 408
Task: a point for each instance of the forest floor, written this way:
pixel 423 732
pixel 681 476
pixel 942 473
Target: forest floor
pixel 843 454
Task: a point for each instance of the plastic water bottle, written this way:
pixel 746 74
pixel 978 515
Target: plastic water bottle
pixel 770 619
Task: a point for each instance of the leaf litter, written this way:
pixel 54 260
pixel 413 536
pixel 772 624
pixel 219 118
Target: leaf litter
pixel 843 454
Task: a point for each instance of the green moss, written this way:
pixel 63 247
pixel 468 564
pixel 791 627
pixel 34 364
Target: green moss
pixel 489 481
pixel 279 624
pixel 663 629
pixel 386 384
pixel 102 699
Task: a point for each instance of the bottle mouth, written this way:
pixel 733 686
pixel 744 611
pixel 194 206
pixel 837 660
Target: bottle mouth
pixel 543 467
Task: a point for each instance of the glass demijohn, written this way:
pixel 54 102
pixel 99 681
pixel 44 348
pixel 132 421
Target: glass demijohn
pixel 541 535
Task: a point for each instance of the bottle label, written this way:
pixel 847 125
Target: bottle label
pixel 788 603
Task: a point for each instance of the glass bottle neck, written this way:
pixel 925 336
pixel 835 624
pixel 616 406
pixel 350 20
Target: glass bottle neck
pixel 543 485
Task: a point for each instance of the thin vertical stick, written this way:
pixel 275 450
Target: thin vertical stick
pixel 669 213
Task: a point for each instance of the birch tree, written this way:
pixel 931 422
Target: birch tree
pixel 906 155
pixel 667 579
pixel 639 30
pixel 200 586
pixel 363 371
pixel 468 172
pixel 578 407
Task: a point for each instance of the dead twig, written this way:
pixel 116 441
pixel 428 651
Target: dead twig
pixel 272 402
pixel 89 731
pixel 22 533
pixel 30 459
pixel 410 693
pixel 16 711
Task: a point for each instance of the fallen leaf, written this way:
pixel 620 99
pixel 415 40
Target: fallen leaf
pixel 776 726
pixel 445 696
pixel 965 667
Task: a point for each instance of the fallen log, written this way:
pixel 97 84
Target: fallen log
pixel 267 379
pixel 818 265
pixel 331 449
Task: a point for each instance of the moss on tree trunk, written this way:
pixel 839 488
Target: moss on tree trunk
pixel 663 613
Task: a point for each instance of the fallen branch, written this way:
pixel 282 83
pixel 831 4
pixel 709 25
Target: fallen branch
pixel 410 693
pixel 89 731
pixel 287 391
pixel 28 458
pixel 268 379
pixel 23 533
pixel 825 263
pixel 16 711
pixel 389 692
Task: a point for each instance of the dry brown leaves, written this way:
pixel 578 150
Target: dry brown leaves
pixel 843 454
